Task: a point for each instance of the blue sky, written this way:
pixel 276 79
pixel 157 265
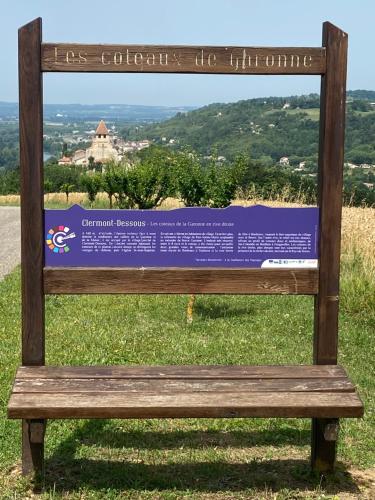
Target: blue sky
pixel 209 22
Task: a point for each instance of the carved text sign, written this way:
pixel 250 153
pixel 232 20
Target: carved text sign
pixel 182 59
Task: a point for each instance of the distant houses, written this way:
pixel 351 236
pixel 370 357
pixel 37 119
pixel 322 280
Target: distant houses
pixel 65 160
pixel 284 161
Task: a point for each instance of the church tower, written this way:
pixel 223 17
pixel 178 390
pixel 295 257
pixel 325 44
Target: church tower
pixel 102 148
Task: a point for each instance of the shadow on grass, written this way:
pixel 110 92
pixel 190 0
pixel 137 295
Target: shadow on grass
pixel 97 433
pixel 67 473
pixel 216 310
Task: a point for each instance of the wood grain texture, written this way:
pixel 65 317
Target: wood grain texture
pixel 72 57
pixel 183 391
pixel 330 180
pixel 161 386
pixel 331 163
pixel 31 170
pixel 180 280
pixel 31 164
pixel 185 405
pixel 186 372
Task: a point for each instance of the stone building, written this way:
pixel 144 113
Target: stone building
pixel 102 148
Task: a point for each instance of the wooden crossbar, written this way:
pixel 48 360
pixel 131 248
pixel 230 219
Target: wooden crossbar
pixel 72 57
pixel 180 280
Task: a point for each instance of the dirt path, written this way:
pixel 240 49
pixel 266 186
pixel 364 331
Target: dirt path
pixel 10 239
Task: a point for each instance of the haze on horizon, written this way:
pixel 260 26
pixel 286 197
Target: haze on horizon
pixel 213 22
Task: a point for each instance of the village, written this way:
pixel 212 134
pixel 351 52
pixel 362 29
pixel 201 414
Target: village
pixel 105 146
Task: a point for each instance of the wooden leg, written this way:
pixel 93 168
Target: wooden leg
pixel 33 448
pixel 323 443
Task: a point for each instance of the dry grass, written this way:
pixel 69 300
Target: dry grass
pixel 358 230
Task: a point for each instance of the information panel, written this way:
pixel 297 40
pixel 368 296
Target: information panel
pixel 255 236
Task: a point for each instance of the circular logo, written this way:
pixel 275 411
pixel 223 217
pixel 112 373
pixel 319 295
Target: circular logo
pixel 56 239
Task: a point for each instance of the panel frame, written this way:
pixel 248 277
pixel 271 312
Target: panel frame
pixel 38 280
pixel 87 280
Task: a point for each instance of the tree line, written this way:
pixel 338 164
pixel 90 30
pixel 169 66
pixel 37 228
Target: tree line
pixel 157 173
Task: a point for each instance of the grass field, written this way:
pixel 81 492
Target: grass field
pixel 218 459
pixel 312 113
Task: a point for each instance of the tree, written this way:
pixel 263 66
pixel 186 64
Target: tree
pixel 67 189
pixel 190 180
pixel 149 183
pixel 48 186
pixel 91 164
pixel 111 181
pixel 92 183
pixel 222 182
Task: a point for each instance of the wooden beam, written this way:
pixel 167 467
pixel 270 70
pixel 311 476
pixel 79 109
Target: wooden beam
pixel 185 405
pixel 72 57
pixel 331 159
pixel 31 164
pixel 180 280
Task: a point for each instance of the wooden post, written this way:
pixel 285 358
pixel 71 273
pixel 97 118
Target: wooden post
pixel 331 158
pixel 31 164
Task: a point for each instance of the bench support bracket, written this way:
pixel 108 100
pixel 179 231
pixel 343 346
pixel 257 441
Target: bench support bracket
pixel 323 444
pixel 33 447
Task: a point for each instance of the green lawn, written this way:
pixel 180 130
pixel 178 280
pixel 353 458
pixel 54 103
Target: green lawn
pixel 238 458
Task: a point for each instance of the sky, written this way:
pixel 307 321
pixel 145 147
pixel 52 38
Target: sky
pixel 195 22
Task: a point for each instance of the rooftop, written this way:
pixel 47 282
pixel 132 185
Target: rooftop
pixel 102 129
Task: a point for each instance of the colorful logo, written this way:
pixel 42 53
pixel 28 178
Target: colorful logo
pixel 56 239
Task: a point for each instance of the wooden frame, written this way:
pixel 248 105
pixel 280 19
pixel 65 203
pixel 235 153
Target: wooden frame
pixel 180 280
pixel 36 57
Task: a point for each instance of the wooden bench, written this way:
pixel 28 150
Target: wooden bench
pixel 321 391
pixel 183 391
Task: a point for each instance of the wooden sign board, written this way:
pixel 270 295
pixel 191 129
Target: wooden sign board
pixel 182 59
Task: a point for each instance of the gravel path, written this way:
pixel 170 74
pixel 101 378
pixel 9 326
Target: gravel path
pixel 10 239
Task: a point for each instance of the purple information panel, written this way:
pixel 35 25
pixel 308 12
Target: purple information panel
pixel 255 236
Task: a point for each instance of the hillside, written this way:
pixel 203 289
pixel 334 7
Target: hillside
pixel 267 128
pixel 64 113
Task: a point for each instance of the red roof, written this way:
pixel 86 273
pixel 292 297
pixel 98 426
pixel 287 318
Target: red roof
pixel 102 129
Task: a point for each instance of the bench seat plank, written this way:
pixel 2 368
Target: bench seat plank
pixel 71 385
pixel 183 391
pixel 193 404
pixel 183 372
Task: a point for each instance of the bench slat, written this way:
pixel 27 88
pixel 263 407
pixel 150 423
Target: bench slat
pixel 185 405
pixel 183 372
pixel 178 385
